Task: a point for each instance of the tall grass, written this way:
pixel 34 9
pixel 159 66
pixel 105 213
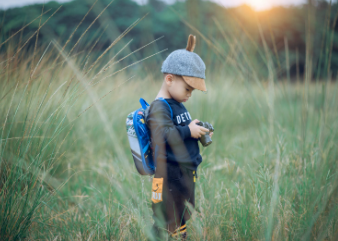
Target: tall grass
pixel 66 171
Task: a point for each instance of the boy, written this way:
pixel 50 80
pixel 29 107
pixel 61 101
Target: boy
pixel 175 141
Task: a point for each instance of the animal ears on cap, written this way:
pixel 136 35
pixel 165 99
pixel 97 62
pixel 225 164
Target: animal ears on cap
pixel 191 43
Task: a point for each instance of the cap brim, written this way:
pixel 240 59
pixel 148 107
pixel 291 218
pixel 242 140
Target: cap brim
pixel 195 82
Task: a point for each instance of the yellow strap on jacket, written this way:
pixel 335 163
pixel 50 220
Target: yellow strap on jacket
pixel 156 191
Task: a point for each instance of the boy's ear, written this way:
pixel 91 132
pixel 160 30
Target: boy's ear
pixel 169 79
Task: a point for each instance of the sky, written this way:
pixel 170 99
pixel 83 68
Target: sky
pixel 256 4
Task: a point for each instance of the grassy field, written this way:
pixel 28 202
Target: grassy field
pixel 66 170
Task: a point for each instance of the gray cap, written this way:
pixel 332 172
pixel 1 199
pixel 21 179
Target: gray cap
pixel 188 64
pixel 184 62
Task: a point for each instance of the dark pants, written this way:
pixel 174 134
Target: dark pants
pixel 178 187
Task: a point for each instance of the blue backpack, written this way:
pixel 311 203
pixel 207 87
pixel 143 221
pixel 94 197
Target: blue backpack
pixel 140 141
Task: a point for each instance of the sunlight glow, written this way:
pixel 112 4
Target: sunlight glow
pixel 259 5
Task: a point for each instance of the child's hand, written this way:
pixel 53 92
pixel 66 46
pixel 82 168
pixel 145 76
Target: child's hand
pixel 196 130
pixel 210 134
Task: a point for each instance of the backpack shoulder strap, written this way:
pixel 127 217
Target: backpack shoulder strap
pixel 143 103
pixel 171 111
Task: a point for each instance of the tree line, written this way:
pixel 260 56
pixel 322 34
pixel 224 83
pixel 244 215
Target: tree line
pixel 283 37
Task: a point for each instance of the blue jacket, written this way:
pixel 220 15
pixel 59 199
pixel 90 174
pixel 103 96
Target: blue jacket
pixel 172 135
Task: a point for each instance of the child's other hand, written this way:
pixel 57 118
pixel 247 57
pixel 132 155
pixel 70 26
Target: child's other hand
pixel 210 134
pixel 196 130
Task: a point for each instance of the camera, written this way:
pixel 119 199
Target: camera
pixel 205 139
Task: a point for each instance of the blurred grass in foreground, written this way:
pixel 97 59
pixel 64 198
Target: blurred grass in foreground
pixel 270 172
pixel 66 170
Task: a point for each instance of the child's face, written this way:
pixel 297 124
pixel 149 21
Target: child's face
pixel 179 89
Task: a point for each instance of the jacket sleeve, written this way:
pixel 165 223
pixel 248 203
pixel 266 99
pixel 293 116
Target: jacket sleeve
pixel 162 126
